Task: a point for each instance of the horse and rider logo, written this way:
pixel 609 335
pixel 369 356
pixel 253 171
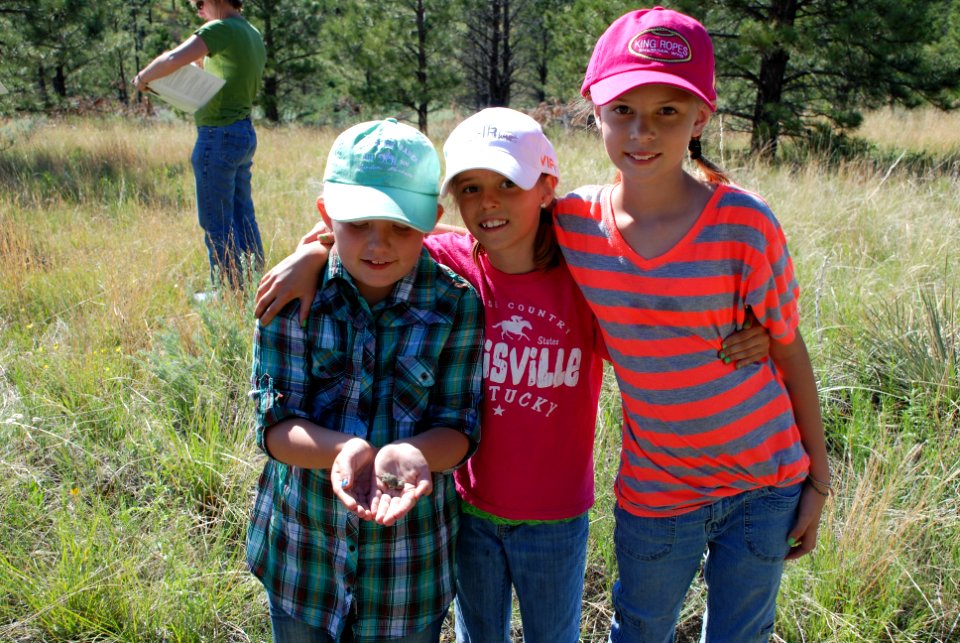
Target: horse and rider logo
pixel 513 328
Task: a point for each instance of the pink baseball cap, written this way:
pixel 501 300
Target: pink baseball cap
pixel 651 47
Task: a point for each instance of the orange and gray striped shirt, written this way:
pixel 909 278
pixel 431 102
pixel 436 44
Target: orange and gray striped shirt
pixel 694 429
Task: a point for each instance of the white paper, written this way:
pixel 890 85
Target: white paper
pixel 189 88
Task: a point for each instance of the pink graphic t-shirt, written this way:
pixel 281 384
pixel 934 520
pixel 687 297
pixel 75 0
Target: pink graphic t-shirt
pixel 542 371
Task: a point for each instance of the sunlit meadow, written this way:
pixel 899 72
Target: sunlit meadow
pixel 128 468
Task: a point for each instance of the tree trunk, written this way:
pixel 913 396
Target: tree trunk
pixel 138 37
pixel 543 65
pixel 122 95
pixel 60 82
pixel 542 71
pixel 42 84
pixel 766 119
pixel 493 93
pixel 773 69
pixel 506 75
pixel 271 89
pixel 271 108
pixel 422 89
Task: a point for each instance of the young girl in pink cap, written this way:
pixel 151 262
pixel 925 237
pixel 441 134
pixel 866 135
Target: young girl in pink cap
pixel 717 460
pixel 527 490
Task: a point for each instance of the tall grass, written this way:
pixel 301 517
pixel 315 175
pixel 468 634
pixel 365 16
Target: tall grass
pixel 125 430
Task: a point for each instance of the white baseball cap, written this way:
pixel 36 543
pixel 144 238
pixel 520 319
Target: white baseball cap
pixel 502 140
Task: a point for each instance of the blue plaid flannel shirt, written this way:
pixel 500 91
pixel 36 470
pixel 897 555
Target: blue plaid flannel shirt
pixel 409 364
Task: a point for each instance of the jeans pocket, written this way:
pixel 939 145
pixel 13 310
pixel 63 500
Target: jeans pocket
pixel 236 148
pixel 769 515
pixel 644 539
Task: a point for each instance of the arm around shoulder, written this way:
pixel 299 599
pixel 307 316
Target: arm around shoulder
pixel 793 364
pixel 295 277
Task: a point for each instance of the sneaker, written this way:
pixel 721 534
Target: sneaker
pixel 205 296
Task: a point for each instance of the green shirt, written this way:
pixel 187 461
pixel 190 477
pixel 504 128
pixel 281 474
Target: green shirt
pixel 236 54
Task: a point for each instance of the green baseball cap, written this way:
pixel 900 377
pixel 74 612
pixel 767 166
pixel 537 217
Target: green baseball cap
pixel 383 170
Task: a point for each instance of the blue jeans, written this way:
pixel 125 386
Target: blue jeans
pixel 222 158
pixel 287 629
pixel 745 538
pixel 545 565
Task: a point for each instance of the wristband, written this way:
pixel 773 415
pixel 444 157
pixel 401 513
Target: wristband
pixel 813 485
pixel 820 482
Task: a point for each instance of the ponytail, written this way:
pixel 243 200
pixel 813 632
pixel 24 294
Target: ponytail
pixel 711 172
pixel 546 249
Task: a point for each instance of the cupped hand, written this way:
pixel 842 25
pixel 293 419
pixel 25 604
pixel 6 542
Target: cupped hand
pixel 403 477
pixel 353 477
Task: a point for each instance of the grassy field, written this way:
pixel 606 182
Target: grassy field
pixel 125 444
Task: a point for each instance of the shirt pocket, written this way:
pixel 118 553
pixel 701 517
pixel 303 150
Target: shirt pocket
pixel 413 381
pixel 328 382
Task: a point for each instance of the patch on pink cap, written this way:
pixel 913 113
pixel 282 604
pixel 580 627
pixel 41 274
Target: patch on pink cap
pixel 661 45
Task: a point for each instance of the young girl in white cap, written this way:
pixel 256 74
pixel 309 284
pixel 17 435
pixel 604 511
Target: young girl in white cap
pixel 715 459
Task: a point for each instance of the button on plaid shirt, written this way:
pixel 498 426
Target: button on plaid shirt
pixel 410 364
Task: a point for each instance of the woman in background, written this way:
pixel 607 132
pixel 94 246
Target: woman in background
pixel 229 47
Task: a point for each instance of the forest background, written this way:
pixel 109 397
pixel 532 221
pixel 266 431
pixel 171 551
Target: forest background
pixel 125 444
pixel 787 67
